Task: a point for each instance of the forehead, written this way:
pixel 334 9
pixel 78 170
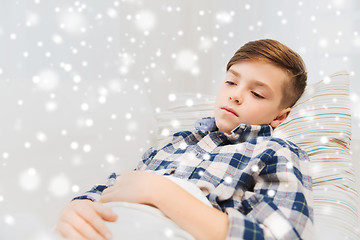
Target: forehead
pixel 260 73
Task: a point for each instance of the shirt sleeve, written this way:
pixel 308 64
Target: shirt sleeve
pixel 152 151
pixel 95 193
pixel 280 204
pixel 146 158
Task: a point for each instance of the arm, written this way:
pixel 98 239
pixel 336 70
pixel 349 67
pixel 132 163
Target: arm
pixel 200 220
pixel 95 192
pixel 280 204
pixel 84 217
pixel 195 217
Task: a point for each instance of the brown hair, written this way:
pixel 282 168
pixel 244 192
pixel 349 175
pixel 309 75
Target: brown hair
pixel 276 53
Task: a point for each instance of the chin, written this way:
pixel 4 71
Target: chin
pixel 223 126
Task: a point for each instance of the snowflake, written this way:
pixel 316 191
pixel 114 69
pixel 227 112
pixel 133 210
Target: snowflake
pixel 46 80
pixel 189 102
pixel 102 99
pixel 206 156
pixel 74 145
pixel 32 19
pixel 289 165
pixel 57 39
pixel 73 23
pixel 228 179
pixel 41 137
pixel 89 122
pixel 5 155
pixel 27 144
pixel 84 106
pixel 169 233
pixel 110 158
pixel 75 188
pixel 175 123
pixel 224 17
pixel 183 145
pixel 271 193
pixel 112 13
pixel 185 59
pixel 255 168
pixel 145 20
pixel 323 43
pixel 59 185
pixel 13 36
pixel 29 179
pixel 127 138
pixel 10 220
pixel 86 148
pixel 165 132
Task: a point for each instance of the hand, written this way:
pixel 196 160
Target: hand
pixel 132 186
pixel 83 219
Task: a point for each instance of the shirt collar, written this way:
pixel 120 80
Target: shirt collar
pixel 241 133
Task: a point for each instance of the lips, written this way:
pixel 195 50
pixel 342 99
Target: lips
pixel 229 110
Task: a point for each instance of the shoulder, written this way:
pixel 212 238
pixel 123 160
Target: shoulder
pixel 283 159
pixel 189 137
pixel 278 147
pixel 182 134
pixel 281 143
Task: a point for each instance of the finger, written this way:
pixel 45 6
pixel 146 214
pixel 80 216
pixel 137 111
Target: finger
pixel 105 212
pixel 108 190
pixel 110 197
pixel 95 220
pixel 81 225
pixel 66 231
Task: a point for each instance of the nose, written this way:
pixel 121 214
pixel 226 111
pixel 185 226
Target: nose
pixel 236 98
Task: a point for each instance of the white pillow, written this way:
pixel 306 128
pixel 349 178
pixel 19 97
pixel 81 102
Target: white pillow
pixel 320 123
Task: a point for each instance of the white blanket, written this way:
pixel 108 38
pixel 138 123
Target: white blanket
pixel 138 221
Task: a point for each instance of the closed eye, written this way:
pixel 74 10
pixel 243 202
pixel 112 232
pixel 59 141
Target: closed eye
pixel 230 83
pixel 257 95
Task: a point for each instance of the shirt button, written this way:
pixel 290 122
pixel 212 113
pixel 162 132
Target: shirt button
pixel 172 170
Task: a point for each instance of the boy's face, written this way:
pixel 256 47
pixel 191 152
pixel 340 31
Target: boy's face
pixel 251 93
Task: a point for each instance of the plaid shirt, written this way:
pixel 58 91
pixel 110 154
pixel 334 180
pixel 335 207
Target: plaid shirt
pixel 262 183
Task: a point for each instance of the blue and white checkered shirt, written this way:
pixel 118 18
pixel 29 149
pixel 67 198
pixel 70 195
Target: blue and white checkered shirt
pixel 261 182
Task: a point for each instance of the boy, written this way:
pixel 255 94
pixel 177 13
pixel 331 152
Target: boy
pixel 259 186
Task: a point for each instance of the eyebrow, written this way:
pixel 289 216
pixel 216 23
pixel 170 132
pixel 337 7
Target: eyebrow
pixel 255 82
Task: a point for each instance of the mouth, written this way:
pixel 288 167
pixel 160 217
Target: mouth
pixel 229 111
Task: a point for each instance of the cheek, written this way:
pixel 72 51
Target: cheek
pixel 265 113
pixel 224 94
pixel 219 99
pixel 258 110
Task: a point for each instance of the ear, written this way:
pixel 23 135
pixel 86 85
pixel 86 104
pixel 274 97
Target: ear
pixel 280 117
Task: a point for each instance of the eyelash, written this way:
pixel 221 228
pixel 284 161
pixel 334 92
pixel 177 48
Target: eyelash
pixel 254 93
pixel 230 83
pixel 257 95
